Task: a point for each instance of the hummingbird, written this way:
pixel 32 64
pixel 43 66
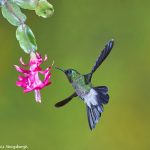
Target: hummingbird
pixel 93 97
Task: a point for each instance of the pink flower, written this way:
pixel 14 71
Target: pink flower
pixel 30 80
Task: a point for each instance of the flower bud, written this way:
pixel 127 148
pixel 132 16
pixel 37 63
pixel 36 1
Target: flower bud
pixel 44 9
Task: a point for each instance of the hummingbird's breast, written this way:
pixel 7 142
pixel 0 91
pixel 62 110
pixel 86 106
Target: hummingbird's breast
pixel 81 87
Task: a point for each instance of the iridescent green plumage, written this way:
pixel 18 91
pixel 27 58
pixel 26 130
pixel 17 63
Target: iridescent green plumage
pixel 78 82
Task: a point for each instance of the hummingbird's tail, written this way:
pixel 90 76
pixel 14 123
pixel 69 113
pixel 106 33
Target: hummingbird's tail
pixel 95 105
pixel 94 114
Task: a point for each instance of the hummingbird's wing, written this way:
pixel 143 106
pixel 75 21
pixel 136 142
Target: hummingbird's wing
pixel 105 52
pixel 65 101
pixel 103 55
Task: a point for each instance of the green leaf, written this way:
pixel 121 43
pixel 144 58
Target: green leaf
pixel 26 39
pixel 27 4
pixel 44 9
pixel 13 13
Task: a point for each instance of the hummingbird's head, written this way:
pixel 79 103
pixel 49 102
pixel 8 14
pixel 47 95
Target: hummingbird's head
pixel 70 73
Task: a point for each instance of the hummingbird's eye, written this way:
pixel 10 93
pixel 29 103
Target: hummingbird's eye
pixel 69 72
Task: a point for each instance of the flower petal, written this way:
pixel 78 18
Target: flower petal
pixel 38 55
pixel 27 90
pixel 22 70
pixel 21 61
pixel 45 71
pixel 45 58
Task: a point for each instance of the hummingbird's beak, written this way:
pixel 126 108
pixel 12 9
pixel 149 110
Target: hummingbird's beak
pixel 60 69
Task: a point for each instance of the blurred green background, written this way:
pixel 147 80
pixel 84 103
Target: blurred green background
pixel 74 37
